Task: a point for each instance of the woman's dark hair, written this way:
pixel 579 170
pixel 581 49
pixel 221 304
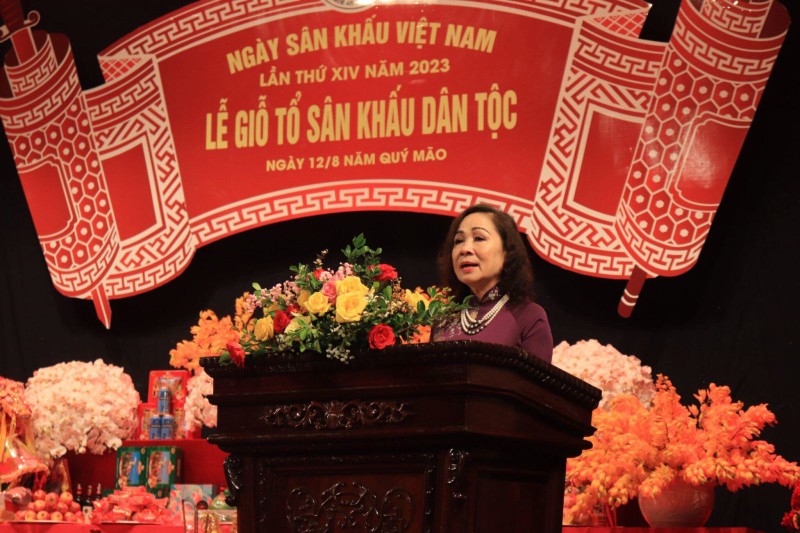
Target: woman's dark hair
pixel 516 279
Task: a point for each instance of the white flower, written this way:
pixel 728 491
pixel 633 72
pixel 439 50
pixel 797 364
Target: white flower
pixel 198 410
pixel 81 407
pixel 607 369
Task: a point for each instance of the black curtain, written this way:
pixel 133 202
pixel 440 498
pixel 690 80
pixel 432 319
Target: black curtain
pixel 731 320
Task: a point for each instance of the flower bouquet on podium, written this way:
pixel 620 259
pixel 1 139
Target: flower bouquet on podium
pixel 357 306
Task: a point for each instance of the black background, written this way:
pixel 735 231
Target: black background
pixel 732 319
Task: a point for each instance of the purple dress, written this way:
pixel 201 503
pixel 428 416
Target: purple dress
pixel 523 324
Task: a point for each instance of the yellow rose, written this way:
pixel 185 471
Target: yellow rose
pixel 317 304
pixel 296 323
pixel 303 297
pixel 349 307
pixel 412 298
pixel 351 284
pixel 264 329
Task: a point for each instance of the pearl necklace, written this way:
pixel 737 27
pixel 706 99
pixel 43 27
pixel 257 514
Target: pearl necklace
pixel 471 326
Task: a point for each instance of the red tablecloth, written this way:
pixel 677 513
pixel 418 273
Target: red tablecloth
pixel 128 528
pixel 87 528
pixel 202 463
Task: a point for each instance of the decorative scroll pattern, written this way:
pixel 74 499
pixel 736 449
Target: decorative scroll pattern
pixel 350 505
pixel 456 475
pixel 629 24
pixel 62 89
pixel 713 73
pixel 349 196
pixel 117 67
pixel 26 77
pixel 171 35
pixel 130 110
pixel 740 17
pixel 234 475
pixel 721 59
pixel 608 75
pixel 57 132
pixel 337 415
pixel 663 227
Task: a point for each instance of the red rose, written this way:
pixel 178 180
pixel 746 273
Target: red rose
pixel 381 336
pixel 388 273
pixel 318 272
pixel 281 320
pixel 293 310
pixel 237 353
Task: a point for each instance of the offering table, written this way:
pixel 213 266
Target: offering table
pixel 442 437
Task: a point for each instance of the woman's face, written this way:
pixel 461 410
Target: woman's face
pixel 478 254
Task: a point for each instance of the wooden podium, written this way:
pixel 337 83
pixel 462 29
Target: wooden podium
pixel 443 437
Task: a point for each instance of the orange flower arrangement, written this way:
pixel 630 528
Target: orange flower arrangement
pixel 210 336
pixel 639 449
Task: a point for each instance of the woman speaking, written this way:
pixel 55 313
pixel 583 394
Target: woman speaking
pixel 484 255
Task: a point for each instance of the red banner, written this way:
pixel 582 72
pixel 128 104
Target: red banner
pixel 611 152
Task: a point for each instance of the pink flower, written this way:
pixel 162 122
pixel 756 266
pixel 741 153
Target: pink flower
pixel 198 410
pixel 329 290
pixel 80 407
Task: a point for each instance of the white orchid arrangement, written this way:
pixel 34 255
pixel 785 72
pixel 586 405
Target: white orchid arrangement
pixel 81 407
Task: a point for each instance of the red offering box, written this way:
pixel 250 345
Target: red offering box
pixel 174 380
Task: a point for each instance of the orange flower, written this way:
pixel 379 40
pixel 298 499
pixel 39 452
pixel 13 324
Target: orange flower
pixel 639 449
pixel 209 338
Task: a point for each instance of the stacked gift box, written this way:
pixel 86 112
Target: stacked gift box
pixel 156 468
pixel 157 464
pixel 161 417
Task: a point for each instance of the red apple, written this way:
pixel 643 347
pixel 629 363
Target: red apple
pixel 51 499
pixel 30 515
pixel 39 494
pixel 56 516
pixel 20 515
pixel 74 507
pixel 66 497
pixel 69 516
pixel 62 507
pixel 38 505
pixel 42 515
pixel 79 517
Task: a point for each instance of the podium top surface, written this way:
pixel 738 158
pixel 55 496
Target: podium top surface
pixel 422 358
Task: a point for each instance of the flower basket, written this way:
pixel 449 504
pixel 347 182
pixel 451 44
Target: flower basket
pixel 639 450
pixel 81 407
pixel 679 504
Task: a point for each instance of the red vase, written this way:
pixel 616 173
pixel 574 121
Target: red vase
pixel 679 504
